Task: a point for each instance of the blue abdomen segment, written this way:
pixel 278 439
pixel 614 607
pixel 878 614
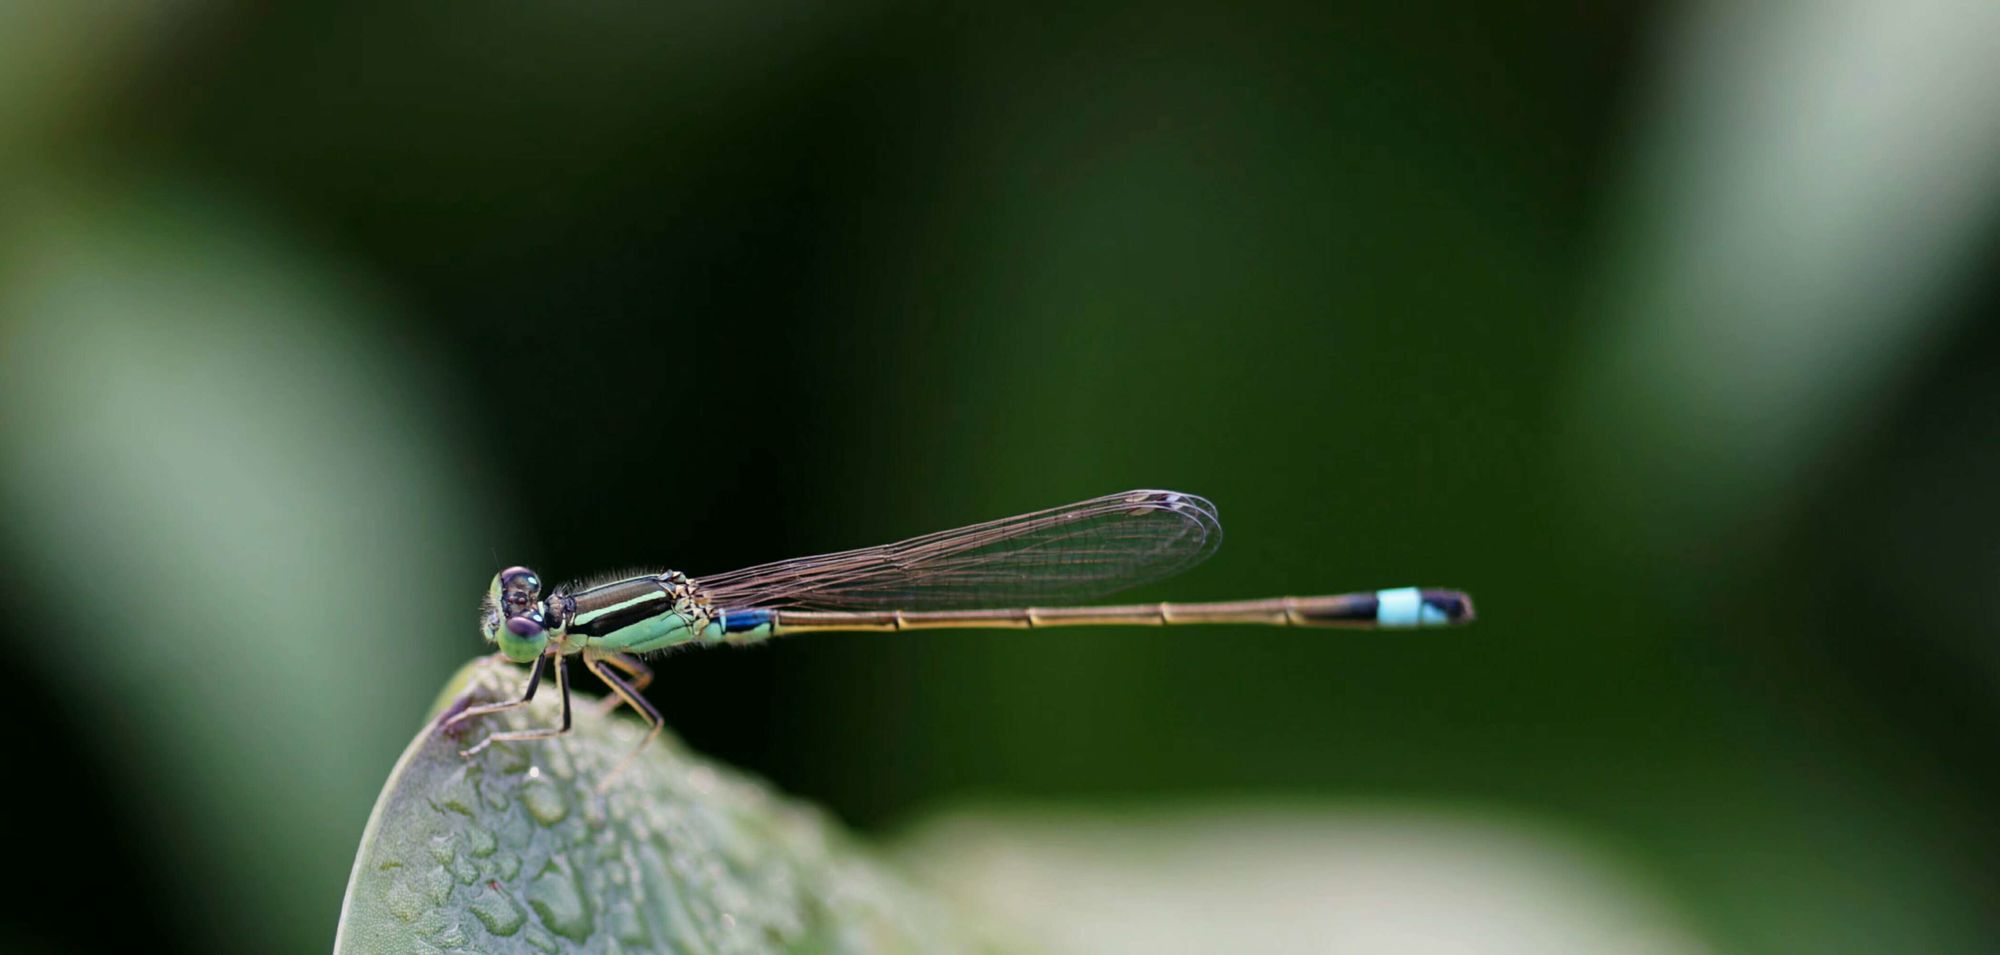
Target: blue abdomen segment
pixel 1404 608
pixel 739 626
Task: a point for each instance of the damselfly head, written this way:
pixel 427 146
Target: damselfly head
pixel 514 613
pixel 520 590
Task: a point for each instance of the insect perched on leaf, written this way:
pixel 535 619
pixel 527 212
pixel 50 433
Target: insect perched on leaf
pixel 1011 573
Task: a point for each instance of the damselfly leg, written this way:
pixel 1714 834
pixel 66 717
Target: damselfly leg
pixel 641 677
pixel 534 679
pixel 601 665
pixel 527 696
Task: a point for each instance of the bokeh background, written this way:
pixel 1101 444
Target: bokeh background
pixel 1663 328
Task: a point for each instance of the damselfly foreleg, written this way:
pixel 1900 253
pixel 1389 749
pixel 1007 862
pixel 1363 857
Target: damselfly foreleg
pixel 562 686
pixel 534 681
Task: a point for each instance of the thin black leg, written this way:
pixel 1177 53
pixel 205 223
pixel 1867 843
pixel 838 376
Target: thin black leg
pixel 629 694
pixel 562 685
pixel 534 680
pixel 641 674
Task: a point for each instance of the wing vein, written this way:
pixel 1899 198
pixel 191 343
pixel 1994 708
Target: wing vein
pixel 1063 554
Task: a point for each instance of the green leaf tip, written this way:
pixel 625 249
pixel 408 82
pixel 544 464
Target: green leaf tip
pixel 514 850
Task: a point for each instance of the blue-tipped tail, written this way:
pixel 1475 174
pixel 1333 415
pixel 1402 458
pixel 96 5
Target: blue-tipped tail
pixel 1411 607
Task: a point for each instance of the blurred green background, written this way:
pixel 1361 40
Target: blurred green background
pixel 1664 329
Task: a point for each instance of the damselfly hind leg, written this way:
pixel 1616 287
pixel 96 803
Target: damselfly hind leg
pixel 641 677
pixel 534 678
pixel 628 693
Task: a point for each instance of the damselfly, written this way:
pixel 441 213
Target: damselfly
pixel 1017 572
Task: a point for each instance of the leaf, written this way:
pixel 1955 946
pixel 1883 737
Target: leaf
pixel 514 850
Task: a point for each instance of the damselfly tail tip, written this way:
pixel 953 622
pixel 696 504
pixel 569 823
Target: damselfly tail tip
pixel 1453 606
pixel 1397 608
pixel 1408 607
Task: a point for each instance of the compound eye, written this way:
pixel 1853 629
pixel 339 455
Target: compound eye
pixel 527 628
pixel 519 590
pixel 521 579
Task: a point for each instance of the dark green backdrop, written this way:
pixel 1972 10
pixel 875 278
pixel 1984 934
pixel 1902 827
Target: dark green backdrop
pixel 704 287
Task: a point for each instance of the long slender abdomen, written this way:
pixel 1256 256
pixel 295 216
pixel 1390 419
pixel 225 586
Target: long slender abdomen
pixel 1399 608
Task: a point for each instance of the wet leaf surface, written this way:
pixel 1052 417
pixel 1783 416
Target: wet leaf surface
pixel 514 850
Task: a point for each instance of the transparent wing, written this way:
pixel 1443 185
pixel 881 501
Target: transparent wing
pixel 1076 552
